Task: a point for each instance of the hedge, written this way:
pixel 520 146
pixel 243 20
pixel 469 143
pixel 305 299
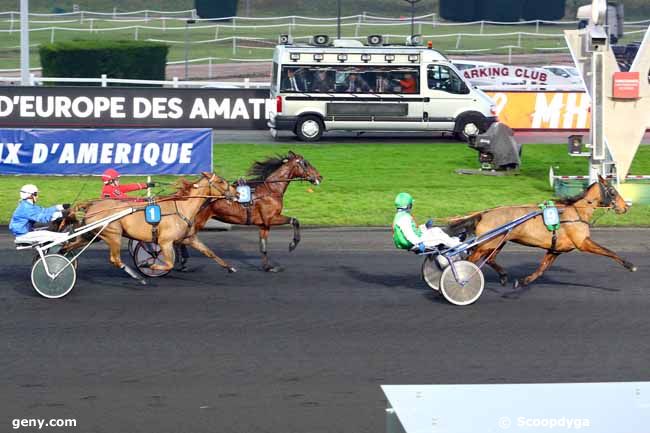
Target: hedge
pixel 458 10
pixel 502 10
pixel 137 60
pixel 216 8
pixel 550 10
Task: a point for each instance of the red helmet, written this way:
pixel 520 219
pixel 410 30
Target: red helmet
pixel 110 175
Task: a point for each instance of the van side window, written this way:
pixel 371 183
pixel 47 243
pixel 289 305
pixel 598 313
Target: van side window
pixel 295 79
pixel 441 77
pixel 350 79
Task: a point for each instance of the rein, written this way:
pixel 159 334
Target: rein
pixel 294 179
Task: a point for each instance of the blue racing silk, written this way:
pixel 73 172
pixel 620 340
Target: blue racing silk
pixel 27 214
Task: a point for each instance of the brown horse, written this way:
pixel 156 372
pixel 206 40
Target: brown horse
pixel 178 218
pixel 271 180
pixel 574 233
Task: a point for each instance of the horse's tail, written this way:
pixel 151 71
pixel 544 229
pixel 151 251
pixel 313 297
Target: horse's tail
pixel 466 224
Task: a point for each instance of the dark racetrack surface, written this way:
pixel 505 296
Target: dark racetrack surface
pixel 307 349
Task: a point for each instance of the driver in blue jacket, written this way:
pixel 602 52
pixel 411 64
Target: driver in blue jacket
pixel 29 213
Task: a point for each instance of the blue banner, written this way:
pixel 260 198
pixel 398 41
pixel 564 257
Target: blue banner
pixel 91 151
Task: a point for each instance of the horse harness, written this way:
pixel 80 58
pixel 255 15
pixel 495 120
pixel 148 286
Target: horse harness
pixel 190 222
pixel 606 200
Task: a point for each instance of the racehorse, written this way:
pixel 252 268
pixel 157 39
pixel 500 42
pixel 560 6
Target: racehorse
pixel 576 214
pixel 178 217
pixel 271 180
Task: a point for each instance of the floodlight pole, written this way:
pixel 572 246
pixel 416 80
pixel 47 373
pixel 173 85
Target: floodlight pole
pixel 24 43
pixel 338 19
pixel 187 47
pixel 412 2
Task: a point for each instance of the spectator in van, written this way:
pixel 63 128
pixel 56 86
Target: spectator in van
pixel 355 84
pixel 408 84
pixel 383 84
pixel 322 83
pixel 293 81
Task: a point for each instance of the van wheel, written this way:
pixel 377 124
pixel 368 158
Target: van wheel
pixel 459 133
pixel 309 128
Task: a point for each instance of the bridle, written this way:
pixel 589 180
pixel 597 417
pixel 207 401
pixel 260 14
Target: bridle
pixel 607 196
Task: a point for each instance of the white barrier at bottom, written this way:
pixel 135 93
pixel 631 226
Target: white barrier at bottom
pixel 590 407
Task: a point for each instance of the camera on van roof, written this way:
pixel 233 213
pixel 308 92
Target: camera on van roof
pixel 375 40
pixel 320 40
pixel 414 40
pixel 285 40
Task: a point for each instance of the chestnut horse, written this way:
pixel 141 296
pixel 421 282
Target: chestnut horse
pixel 574 233
pixel 272 178
pixel 178 217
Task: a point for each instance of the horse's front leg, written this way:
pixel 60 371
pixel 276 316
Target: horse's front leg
pixel 198 245
pixel 280 220
pixel 589 246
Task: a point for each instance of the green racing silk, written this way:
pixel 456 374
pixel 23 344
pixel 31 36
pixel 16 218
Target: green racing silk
pixel 399 239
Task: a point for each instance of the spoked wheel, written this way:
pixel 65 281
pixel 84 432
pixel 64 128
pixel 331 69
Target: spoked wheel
pixel 469 286
pixel 431 272
pixel 69 255
pixel 146 254
pixel 65 276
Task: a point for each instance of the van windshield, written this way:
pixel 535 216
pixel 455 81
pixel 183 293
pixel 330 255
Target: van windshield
pixel 441 77
pixel 350 79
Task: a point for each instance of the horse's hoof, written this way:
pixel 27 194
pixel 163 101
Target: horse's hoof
pixel 273 269
pixel 503 279
pixel 232 270
pixel 183 269
pixel 630 266
pixel 517 284
pixel 142 282
pixel 292 246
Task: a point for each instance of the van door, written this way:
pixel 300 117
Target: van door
pixel 446 96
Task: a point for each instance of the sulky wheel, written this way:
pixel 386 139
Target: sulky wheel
pixel 469 286
pixel 65 276
pixel 431 272
pixel 146 254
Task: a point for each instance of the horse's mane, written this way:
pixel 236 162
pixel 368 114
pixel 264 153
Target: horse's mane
pixel 261 170
pixel 573 199
pixel 183 187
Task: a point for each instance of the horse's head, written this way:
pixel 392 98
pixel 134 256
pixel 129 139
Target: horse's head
pixel 69 219
pixel 301 168
pixel 609 196
pixel 220 186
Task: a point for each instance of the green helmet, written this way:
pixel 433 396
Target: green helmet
pixel 403 200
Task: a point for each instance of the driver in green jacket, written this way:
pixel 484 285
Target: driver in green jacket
pixel 407 235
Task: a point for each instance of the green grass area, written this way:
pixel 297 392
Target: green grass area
pixel 361 181
pixel 174 31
